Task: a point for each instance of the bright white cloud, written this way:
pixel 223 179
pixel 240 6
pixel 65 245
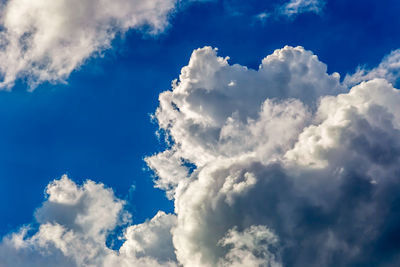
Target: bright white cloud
pixel 74 223
pixel 255 114
pixel 287 161
pixel 45 40
pixel 287 147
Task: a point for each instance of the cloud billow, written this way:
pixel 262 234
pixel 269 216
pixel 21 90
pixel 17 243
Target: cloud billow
pixel 287 147
pixel 289 166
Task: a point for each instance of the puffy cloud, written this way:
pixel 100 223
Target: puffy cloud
pixel 74 223
pixel 217 109
pixel 287 150
pixel 45 40
pixel 338 208
pixel 151 239
pixel 279 166
pixel 363 123
pixel 253 247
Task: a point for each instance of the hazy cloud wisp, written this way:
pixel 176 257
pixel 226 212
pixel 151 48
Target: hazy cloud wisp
pixel 294 7
pixel 388 69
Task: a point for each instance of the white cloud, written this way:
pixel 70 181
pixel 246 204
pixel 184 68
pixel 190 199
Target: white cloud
pixel 388 69
pixel 291 9
pixel 249 119
pixel 294 7
pixel 262 17
pixel 151 239
pixel 369 112
pixel 74 223
pixel 45 40
pixel 256 246
pixel 287 147
pixel 287 161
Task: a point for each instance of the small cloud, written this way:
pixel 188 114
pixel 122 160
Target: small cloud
pixel 295 7
pixel 262 17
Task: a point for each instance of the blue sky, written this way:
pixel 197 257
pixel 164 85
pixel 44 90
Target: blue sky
pixel 97 125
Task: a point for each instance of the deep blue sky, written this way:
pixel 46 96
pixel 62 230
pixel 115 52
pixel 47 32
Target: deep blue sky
pixel 98 125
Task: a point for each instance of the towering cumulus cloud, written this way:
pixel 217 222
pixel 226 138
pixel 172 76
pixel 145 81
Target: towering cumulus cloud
pixel 279 166
pixel 292 167
pixel 45 40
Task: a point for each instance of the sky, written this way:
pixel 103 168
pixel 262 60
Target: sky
pixel 199 133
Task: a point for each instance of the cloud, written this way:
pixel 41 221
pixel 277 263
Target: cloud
pixel 46 40
pixel 253 247
pixel 289 9
pixel 388 69
pixel 295 7
pixel 279 166
pixel 286 147
pixel 255 114
pixel 74 223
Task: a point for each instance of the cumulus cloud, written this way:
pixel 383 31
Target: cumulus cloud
pixel 253 247
pixel 217 109
pixel 46 40
pixel 286 147
pixel 74 223
pixel 279 166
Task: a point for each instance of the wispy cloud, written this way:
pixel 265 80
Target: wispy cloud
pixel 291 9
pixel 295 7
pixel 388 69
